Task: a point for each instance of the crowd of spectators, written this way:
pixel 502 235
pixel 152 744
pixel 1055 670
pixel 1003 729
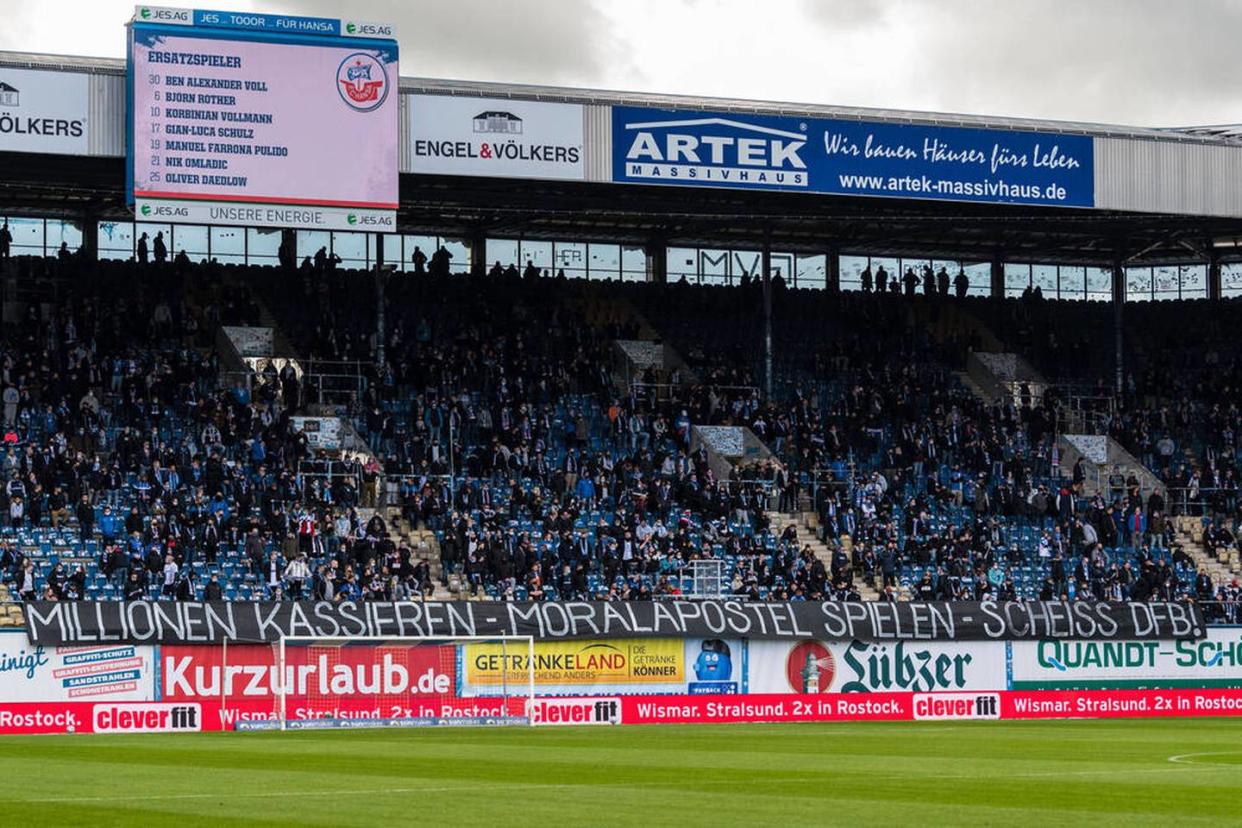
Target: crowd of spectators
pixel 496 411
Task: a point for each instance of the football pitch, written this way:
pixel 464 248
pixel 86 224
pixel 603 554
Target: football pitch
pixel 1153 772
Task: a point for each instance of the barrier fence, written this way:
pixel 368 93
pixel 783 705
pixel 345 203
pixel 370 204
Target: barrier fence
pixel 115 686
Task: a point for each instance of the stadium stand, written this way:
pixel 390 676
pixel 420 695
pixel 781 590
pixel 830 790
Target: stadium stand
pixel 510 448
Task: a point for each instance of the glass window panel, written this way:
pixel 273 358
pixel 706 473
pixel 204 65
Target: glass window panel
pixel 851 271
pixel 950 267
pixel 152 231
pixel 917 266
pixel 27 236
pixel 426 245
pixel 69 232
pixel 750 263
pixel 459 254
pixel 633 264
pixel 570 257
pixel 782 266
pixel 890 267
pixel 1231 279
pixel 116 240
pixel 1194 281
pixel 1017 278
pixel 393 257
pixel 1073 282
pixel 501 251
pixel 538 253
pixel 714 266
pixel 1044 277
pixel 604 261
pixel 682 263
pixel 1164 282
pixel 979 279
pixel 812 272
pixel 309 242
pixel 351 248
pixel 263 246
pixel 1099 284
pixel 228 244
pixel 1138 284
pixel 192 238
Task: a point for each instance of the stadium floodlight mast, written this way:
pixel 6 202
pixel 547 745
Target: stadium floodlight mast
pixel 395 681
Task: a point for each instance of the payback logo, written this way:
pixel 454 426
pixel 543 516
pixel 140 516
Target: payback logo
pixel 362 81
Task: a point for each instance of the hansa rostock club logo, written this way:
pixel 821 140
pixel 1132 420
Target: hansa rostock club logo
pixel 362 81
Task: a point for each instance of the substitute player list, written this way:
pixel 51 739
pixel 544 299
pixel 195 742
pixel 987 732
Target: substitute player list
pixel 200 125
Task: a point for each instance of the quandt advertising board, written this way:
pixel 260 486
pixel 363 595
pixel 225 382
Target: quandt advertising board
pixel 1215 661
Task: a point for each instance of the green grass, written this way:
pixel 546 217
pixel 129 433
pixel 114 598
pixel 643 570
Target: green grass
pixel 1054 773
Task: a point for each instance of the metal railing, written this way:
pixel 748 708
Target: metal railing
pixel 335 382
pixel 1195 501
pixel 664 391
pixel 707 579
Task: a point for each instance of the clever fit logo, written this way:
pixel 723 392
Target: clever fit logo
pixel 601 711
pixel 940 706
pixel 148 718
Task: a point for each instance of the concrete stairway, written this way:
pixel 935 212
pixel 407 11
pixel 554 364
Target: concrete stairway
pixel 10 610
pixel 425 546
pixel 1223 567
pixel 968 382
pixel 804 524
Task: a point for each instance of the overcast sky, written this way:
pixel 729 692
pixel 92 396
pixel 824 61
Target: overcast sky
pixel 1138 62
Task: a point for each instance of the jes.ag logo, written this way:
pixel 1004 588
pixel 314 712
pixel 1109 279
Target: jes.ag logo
pixel 162 15
pixel 362 81
pixel 353 27
pixel 368 220
pixel 711 150
pixel 163 210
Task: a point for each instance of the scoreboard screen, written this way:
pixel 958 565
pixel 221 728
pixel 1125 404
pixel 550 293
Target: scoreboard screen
pixel 266 120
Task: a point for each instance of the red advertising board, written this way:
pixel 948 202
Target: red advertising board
pixel 214 713
pixel 249 672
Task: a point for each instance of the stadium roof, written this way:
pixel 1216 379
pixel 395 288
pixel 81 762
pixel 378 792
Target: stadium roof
pixel 603 211
pixel 855 113
pixel 1206 134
